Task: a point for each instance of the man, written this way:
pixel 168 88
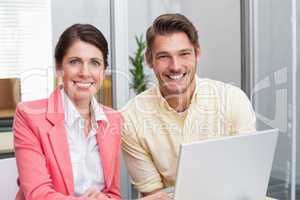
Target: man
pixel 182 108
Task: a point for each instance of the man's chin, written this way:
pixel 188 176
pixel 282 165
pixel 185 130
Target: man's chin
pixel 171 91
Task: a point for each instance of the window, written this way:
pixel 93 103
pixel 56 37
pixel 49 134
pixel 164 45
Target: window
pixel 26 71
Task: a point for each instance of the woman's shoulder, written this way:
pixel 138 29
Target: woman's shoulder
pixel 33 107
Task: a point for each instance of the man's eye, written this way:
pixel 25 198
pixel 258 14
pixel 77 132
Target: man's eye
pixel 162 56
pixel 185 53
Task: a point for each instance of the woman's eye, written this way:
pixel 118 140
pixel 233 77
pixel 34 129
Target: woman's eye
pixel 95 63
pixel 74 62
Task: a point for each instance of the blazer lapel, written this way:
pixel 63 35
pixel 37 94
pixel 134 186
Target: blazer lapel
pixel 106 152
pixel 58 138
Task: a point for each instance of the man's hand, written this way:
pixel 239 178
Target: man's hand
pixel 157 196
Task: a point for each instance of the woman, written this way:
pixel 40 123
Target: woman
pixel 67 146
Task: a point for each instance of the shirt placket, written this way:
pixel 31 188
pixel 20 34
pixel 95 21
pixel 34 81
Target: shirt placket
pixel 83 145
pixel 186 132
pixel 89 146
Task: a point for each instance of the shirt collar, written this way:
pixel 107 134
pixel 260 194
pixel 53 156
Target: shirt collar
pixel 99 114
pixel 71 113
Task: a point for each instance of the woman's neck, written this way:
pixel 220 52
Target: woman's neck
pixel 83 107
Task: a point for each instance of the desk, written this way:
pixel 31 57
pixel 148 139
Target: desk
pixel 6 142
pixel 7 112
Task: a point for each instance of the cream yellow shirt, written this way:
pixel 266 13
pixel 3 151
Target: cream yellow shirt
pixel 153 131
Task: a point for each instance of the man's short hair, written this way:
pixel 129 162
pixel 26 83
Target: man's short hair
pixel 168 24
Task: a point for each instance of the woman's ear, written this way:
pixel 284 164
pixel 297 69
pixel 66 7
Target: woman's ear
pixel 59 75
pixel 59 72
pixel 59 69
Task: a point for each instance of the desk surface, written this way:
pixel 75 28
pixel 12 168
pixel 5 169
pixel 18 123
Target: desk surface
pixel 6 142
pixel 7 112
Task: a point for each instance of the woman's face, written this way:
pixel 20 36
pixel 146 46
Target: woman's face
pixel 82 71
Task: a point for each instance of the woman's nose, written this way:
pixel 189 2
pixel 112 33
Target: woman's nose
pixel 85 71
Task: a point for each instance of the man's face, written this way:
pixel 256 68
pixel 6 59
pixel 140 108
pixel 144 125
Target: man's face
pixel 174 61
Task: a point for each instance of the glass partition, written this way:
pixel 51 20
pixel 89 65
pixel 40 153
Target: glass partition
pixel 297 89
pixel 274 86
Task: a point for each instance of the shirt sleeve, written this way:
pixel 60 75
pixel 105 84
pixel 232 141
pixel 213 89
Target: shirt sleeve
pixel 242 115
pixel 144 175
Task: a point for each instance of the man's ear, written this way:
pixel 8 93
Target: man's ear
pixel 198 53
pixel 148 58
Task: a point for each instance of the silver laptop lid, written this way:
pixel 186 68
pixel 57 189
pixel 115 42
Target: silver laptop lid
pixel 228 168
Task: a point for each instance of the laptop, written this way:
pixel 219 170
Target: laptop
pixel 228 168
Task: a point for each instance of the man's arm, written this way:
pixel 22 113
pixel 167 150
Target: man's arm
pixel 241 113
pixel 150 193
pixel 156 195
pixel 138 160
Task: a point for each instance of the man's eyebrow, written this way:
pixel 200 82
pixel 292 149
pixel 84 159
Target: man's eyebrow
pixel 161 52
pixel 179 51
pixel 186 50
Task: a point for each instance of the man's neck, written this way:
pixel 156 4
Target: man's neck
pixel 180 102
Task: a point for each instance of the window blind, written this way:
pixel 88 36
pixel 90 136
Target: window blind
pixel 25 36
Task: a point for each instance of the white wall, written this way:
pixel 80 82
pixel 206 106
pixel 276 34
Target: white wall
pixel 67 12
pixel 141 14
pixel 218 23
pixel 138 22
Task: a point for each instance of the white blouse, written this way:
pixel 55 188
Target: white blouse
pixel 84 151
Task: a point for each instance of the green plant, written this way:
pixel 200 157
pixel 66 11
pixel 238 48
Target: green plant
pixel 139 79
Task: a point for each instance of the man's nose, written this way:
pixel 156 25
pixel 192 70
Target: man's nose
pixel 175 64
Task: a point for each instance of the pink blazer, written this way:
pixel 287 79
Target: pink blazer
pixel 42 153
